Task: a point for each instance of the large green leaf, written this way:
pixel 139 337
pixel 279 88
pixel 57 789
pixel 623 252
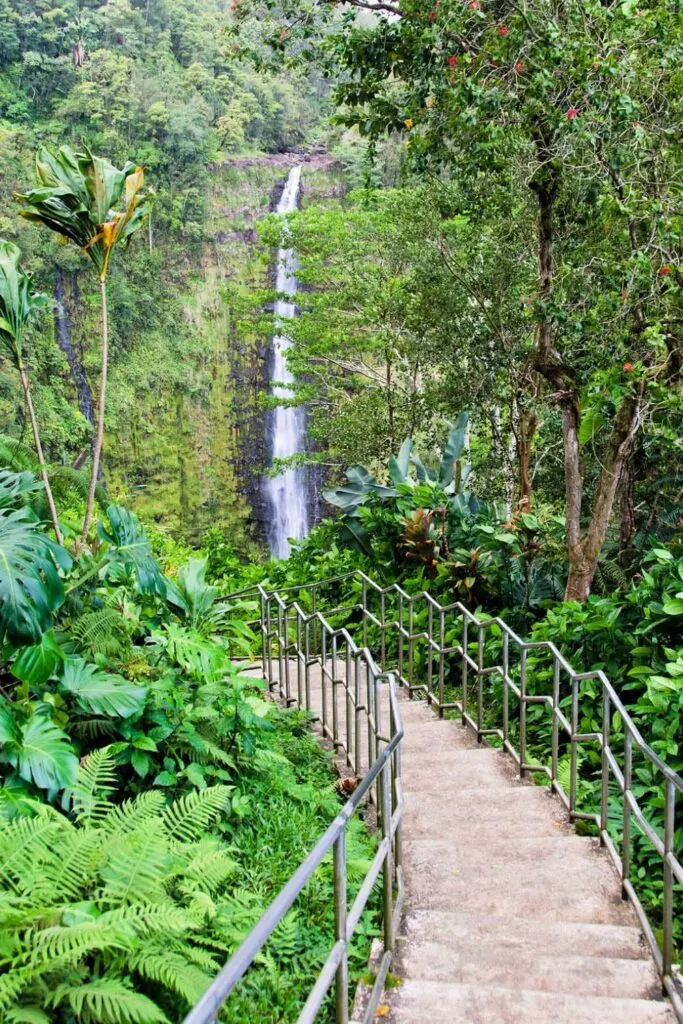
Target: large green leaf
pixel 399 466
pixel 18 304
pixel 101 692
pixel 131 548
pixel 34 665
pixel 16 489
pixel 76 197
pixel 31 589
pixel 37 748
pixel 455 445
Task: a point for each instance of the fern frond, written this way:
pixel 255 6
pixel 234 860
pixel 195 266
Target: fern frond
pixel 12 985
pixel 101 632
pixel 26 1015
pixel 93 728
pixel 202 959
pixel 132 814
pixel 189 817
pixel 68 943
pixel 109 1001
pixel 24 845
pixel 69 872
pixel 16 455
pixel 95 783
pixel 156 963
pixel 210 866
pixel 136 868
pixel 148 919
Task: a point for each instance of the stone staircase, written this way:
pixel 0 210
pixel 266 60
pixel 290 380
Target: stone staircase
pixel 511 917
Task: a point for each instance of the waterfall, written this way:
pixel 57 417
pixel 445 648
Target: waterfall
pixel 63 336
pixel 287 493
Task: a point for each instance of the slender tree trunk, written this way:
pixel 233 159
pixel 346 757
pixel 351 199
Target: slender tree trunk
pixel 585 551
pixel 527 431
pixel 99 437
pixel 39 451
pixel 627 515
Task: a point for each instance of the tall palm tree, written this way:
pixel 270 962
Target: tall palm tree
pixel 18 305
pixel 77 197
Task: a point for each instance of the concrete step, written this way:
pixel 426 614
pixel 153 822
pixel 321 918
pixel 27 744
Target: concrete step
pixel 504 810
pixel 492 964
pixel 478 768
pixel 435 1002
pixel 520 936
pixel 539 882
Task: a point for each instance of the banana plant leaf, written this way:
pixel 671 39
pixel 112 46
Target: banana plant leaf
pixel 455 445
pixel 399 465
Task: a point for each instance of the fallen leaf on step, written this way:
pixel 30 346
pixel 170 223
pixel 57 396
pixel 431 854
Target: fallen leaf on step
pixel 383 1010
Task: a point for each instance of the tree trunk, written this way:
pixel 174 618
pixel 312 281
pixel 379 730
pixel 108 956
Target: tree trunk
pixel 39 452
pixel 528 425
pixel 627 520
pixel 584 552
pixel 101 405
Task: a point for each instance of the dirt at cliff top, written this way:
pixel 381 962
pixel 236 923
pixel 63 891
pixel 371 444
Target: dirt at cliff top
pixel 317 159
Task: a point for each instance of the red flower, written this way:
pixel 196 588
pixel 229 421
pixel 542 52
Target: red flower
pixel 475 5
pixel 503 30
pixel 628 367
pixel 519 67
pixel 666 269
pixel 453 60
pixel 572 113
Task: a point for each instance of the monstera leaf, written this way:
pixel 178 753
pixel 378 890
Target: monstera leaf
pixel 39 751
pixel 130 548
pixel 101 692
pixel 31 589
pixel 34 665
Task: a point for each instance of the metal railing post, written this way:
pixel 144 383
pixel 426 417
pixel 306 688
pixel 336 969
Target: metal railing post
pixel 340 915
pixel 668 903
pixel 604 777
pixel 522 711
pixel 626 842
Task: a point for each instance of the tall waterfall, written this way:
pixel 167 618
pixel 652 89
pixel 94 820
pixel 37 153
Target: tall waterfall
pixel 287 492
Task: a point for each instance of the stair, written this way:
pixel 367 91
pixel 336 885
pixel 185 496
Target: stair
pixel 511 917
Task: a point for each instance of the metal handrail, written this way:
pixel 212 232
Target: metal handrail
pixel 306 638
pixel 380 783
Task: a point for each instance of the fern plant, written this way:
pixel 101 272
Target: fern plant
pixel 108 913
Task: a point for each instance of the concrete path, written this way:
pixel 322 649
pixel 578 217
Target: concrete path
pixel 511 918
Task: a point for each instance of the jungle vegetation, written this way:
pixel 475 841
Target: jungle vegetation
pixel 490 348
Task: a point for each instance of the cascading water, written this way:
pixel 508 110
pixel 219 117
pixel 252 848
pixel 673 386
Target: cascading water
pixel 287 492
